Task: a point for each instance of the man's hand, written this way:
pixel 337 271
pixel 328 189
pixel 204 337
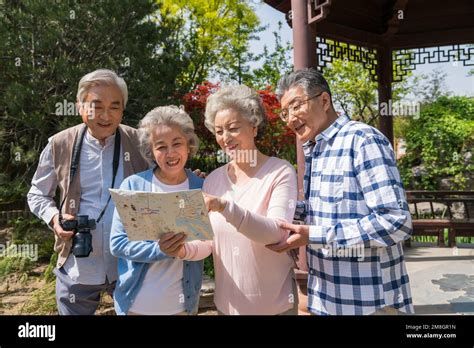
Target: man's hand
pixel 172 244
pixel 214 203
pixel 64 235
pixel 299 236
pixel 198 172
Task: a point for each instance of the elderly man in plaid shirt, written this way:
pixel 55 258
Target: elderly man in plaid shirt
pixel 355 207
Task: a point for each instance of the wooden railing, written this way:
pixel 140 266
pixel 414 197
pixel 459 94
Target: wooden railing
pixel 435 211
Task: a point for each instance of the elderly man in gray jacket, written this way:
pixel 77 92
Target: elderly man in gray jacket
pixel 84 161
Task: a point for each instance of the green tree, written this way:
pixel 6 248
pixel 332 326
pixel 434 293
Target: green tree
pixel 439 145
pixel 274 63
pixel 46 47
pixel 355 92
pixel 215 38
pixel 430 87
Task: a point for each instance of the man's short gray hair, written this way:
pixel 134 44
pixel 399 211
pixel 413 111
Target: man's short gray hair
pixel 311 80
pixel 170 116
pixel 101 77
pixel 243 100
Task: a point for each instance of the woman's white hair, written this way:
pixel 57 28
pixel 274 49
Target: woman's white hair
pixel 242 99
pixel 101 77
pixel 170 116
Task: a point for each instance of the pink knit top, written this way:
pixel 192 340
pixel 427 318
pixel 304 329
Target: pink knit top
pixel 249 278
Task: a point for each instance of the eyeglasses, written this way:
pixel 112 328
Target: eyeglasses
pixel 295 107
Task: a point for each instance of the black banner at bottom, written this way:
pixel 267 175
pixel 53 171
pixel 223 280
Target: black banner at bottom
pixel 243 330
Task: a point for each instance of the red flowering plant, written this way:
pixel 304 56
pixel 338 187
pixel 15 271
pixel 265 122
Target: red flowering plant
pixel 277 141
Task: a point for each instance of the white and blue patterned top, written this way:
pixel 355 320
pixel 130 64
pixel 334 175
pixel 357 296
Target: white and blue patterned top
pixel 356 207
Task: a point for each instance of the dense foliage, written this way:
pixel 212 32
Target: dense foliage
pixel 439 145
pixel 48 46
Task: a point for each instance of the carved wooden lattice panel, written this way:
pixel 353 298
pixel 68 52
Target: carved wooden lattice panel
pixel 327 50
pixel 406 60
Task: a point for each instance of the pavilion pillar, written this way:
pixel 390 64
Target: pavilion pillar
pixel 385 76
pixel 304 56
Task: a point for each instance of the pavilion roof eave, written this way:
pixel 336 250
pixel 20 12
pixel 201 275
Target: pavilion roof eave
pixel 454 30
pixel 399 41
pixel 434 38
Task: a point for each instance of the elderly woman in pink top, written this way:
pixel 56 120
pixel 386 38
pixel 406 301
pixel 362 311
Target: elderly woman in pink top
pixel 246 197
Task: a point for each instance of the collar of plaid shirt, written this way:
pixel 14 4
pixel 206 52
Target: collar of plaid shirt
pixel 326 135
pixel 309 146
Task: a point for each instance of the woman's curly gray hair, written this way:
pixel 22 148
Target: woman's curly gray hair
pixel 169 116
pixel 242 99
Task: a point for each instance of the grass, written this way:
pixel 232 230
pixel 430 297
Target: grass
pixel 17 266
pixel 30 233
pixel 433 239
pixel 41 301
pixel 48 273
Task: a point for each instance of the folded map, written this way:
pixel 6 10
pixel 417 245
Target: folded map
pixel 147 215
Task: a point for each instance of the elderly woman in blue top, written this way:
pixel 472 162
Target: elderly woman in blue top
pixel 151 280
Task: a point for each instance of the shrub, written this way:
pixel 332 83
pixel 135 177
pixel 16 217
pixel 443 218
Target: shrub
pixel 34 232
pixel 209 267
pixel 441 143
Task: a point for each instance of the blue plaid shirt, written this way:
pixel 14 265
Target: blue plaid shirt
pixel 356 207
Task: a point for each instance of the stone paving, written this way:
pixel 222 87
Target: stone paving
pixel 442 279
